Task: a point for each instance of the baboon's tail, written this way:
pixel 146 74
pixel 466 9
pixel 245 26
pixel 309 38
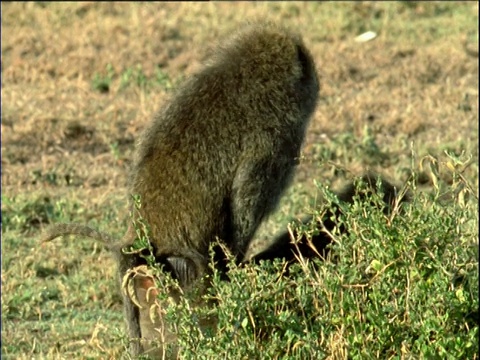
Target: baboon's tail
pixel 63 229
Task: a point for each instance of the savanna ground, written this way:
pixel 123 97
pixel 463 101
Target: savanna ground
pixel 80 80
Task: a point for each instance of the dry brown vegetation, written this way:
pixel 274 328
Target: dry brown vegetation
pixel 67 140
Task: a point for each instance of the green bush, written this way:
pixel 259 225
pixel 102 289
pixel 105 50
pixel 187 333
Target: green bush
pixel 398 286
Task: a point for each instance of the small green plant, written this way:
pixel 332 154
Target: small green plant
pixel 141 244
pixel 102 83
pixel 163 79
pixel 136 76
pixel 114 148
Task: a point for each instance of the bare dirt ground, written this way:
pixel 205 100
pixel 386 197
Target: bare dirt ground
pixel 67 139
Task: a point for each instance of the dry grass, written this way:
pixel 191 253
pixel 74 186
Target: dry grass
pixel 68 146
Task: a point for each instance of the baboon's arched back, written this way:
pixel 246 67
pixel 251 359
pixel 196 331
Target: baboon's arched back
pixel 218 155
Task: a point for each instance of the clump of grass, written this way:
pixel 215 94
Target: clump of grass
pixel 131 76
pixel 27 216
pixel 102 83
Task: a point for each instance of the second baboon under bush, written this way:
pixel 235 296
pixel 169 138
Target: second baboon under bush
pixel 216 158
pixel 317 245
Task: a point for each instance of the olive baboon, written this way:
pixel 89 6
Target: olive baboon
pixel 283 247
pixel 217 157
